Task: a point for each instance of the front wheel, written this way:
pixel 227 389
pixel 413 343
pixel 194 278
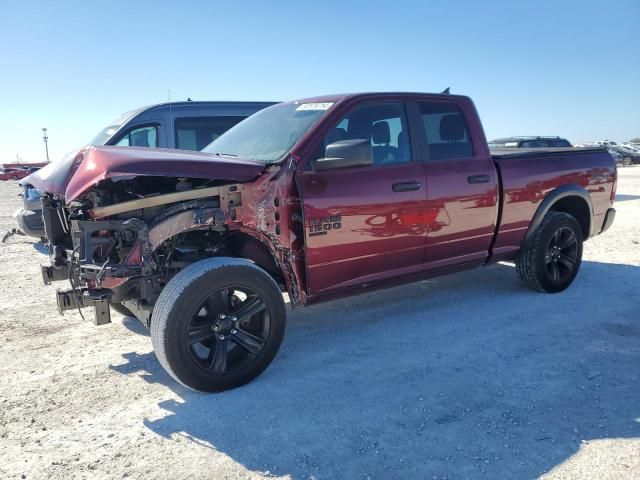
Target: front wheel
pixel 218 324
pixel 626 161
pixel 552 259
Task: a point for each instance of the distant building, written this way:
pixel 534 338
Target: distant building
pixel 22 165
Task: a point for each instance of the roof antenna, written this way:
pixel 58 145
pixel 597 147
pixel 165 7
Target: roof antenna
pixel 446 91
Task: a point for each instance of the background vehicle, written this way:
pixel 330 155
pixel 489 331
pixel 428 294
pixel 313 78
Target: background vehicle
pixel 12 173
pixel 628 153
pixel 181 125
pixel 530 142
pixel 321 198
pixel 617 156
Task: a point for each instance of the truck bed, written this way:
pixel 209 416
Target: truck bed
pixel 527 176
pixel 541 152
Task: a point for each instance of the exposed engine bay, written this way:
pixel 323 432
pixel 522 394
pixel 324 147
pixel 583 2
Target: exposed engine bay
pixel 123 240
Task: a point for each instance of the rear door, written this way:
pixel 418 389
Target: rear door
pixel 462 187
pixel 364 224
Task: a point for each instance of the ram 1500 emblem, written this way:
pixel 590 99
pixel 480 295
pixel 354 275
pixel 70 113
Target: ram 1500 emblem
pixel 322 225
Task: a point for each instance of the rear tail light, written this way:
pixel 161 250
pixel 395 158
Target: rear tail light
pixel 615 184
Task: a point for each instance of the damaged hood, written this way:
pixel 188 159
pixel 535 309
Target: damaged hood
pixel 79 171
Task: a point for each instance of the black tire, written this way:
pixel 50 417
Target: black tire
pixel 627 161
pixel 543 265
pixel 122 310
pixel 193 299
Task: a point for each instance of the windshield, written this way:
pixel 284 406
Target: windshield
pixel 106 133
pixel 267 135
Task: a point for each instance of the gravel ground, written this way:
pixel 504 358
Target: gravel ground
pixel 466 376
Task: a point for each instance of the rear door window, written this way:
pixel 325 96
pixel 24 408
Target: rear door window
pixel 446 130
pixel 145 136
pixel 197 133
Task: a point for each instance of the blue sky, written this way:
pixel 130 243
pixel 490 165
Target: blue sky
pixel 570 68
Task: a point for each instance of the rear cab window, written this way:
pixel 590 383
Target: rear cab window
pixel 446 130
pixel 197 133
pixel 560 143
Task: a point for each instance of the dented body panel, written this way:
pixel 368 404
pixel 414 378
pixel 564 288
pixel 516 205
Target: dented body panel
pixel 74 176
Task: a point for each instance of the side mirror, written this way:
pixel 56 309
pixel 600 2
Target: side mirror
pixel 346 153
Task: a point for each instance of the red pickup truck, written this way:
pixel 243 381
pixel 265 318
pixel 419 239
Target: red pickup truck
pixel 320 198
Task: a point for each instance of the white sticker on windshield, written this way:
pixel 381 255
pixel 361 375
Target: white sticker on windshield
pixel 314 106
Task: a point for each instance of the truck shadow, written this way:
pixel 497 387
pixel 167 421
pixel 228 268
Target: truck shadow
pixel 624 198
pixel 467 375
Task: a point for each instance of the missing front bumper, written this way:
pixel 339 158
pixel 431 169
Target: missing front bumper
pixel 50 274
pixel 82 298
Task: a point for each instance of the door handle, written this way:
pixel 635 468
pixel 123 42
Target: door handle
pixel 405 186
pixel 479 179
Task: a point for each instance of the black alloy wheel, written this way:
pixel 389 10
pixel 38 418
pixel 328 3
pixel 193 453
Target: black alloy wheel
pixel 218 323
pixel 550 261
pixel 228 329
pixel 562 253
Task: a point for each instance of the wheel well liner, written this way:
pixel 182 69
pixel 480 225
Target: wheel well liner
pixel 237 244
pixel 243 245
pixel 571 199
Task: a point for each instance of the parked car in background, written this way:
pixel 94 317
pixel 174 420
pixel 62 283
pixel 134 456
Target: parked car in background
pixel 13 173
pixel 180 125
pixel 530 142
pixel 320 198
pixel 629 154
pixel 617 157
pixel 29 216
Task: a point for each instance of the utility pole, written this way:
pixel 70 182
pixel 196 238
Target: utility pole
pixel 46 145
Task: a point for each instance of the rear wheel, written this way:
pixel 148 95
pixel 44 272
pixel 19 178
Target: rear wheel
pixel 626 161
pixel 218 324
pixel 552 259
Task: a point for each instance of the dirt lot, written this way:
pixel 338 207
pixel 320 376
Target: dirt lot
pixel 467 376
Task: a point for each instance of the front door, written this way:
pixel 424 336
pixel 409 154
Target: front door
pixel 364 224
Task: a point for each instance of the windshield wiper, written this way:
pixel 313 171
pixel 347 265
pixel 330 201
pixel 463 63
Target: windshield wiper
pixel 225 154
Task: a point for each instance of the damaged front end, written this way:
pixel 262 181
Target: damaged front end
pixel 119 235
pixel 128 261
pixel 120 248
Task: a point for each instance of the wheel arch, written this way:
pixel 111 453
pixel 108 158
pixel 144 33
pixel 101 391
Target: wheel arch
pixel 238 244
pixel 251 244
pixel 243 245
pixel 571 199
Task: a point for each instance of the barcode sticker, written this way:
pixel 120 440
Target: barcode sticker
pixel 314 106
